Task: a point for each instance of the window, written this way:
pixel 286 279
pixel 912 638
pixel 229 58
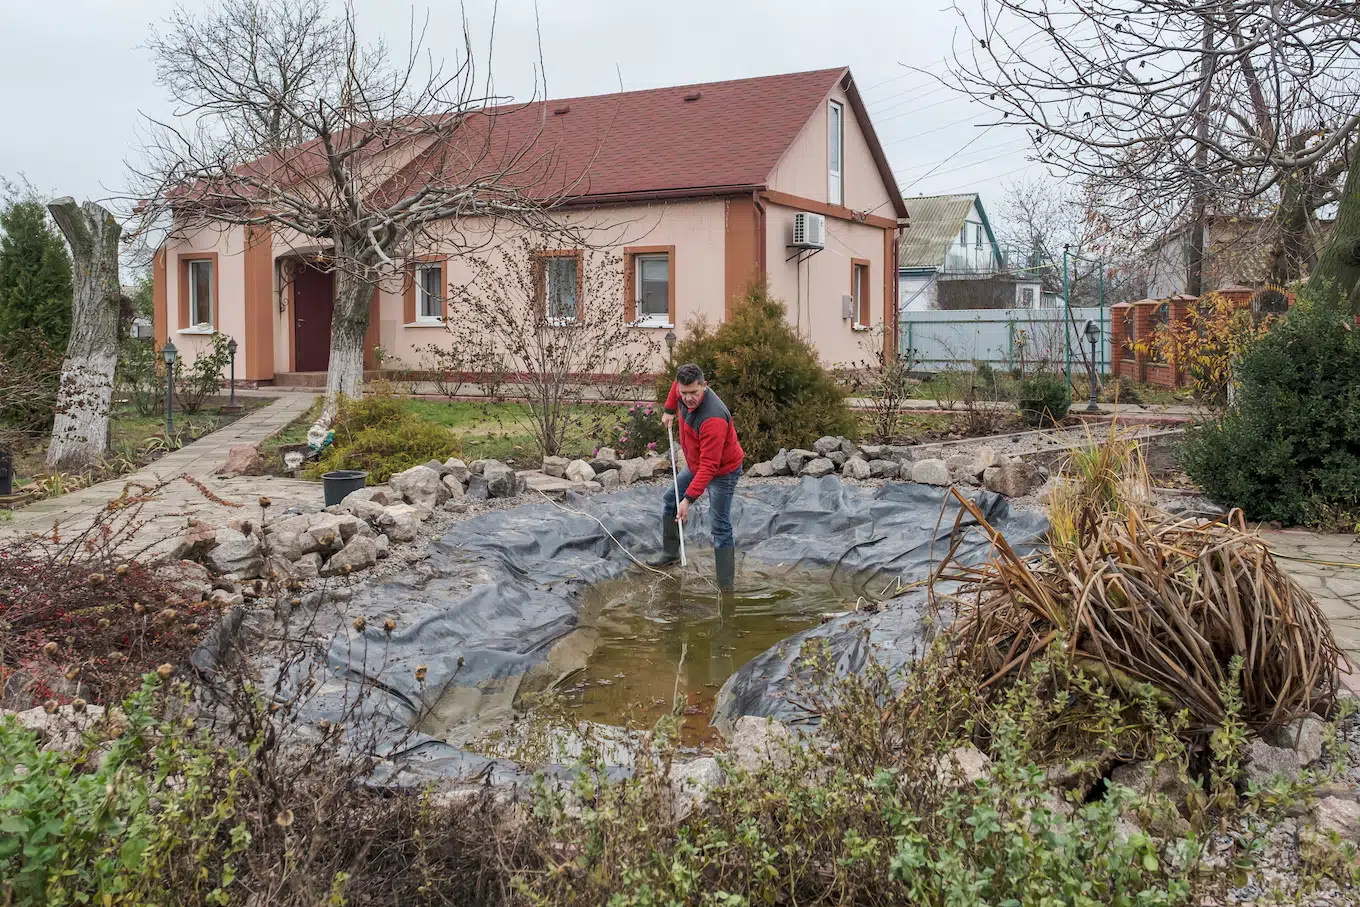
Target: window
pixel 430 292
pixel 859 291
pixel 200 294
pixel 653 282
pixel 963 236
pixel 835 151
pixel 559 278
pixel 977 244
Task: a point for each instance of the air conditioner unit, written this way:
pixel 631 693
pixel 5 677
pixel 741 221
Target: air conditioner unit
pixel 809 231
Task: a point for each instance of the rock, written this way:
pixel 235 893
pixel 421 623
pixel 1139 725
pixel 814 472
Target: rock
pixel 291 545
pixel 884 469
pixel 779 464
pixel 477 489
pixel 66 729
pixel 963 765
pixel 635 470
pixel 819 467
pixel 762 470
pixel 476 467
pixel 368 511
pixel 848 448
pixel 458 469
pixel 984 457
pixel 661 464
pixel 384 546
pixel 608 454
pixel 309 565
pixel 1264 762
pixel 1339 816
pixel 902 453
pixel 382 495
pixel 1078 775
pixel 196 541
pixel 189 577
pixel 236 553
pixel 455 488
pixel 556 467
pixel 400 522
pixel 243 460
pixel 591 486
pixel 436 466
pixel 223 599
pixel 580 471
pixel 609 480
pixel 958 463
pixel 420 485
pixel 871 452
pixel 692 781
pixel 331 531
pixel 1305 736
pixel 837 458
pixel 501 480
pixel 1148 779
pixel 359 553
pixel 930 472
pixel 1014 479
pixel 824 446
pixel 605 458
pixel 856 468
pixel 798 458
pixel 757 742
pixel 602 466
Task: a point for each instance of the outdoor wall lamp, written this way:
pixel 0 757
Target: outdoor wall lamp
pixel 231 406
pixel 670 344
pixel 1092 331
pixel 169 353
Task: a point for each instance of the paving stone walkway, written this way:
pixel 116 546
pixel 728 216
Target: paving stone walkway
pixel 1328 566
pixel 166 515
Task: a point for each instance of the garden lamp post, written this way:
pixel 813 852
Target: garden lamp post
pixel 231 406
pixel 169 353
pixel 6 472
pixel 1092 331
pixel 670 346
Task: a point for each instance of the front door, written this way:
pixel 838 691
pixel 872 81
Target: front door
pixel 313 302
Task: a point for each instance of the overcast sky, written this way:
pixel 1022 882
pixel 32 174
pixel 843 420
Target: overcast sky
pixel 75 81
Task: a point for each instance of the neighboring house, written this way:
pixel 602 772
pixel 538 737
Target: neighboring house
pixel 709 177
pixel 950 259
pixel 1237 252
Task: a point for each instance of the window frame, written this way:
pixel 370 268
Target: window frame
pixel 646 319
pixel 541 272
pixel 188 301
pixel 422 294
pixel 835 176
pixel 861 294
pixel 195 303
pixel 632 290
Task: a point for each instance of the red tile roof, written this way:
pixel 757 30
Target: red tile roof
pixel 634 143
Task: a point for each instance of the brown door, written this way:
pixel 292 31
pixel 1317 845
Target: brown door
pixel 313 301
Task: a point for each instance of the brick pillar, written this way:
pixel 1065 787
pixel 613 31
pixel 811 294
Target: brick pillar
pixel 1179 311
pixel 1142 332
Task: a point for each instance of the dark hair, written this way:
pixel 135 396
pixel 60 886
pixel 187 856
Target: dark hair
pixel 689 374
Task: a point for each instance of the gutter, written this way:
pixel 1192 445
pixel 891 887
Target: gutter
pixel 655 195
pixel 760 232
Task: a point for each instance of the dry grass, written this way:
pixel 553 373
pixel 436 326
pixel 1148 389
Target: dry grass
pixel 1135 596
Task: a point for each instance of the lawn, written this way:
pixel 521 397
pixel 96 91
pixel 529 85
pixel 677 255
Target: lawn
pixel 501 431
pixel 950 388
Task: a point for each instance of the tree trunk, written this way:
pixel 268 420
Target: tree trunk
pixel 80 434
pixel 1194 278
pixel 1338 268
pixel 349 324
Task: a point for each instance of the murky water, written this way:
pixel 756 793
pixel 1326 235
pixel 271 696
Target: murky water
pixel 659 641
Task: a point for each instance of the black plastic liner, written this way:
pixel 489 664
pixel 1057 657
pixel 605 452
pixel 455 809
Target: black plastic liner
pixel 499 591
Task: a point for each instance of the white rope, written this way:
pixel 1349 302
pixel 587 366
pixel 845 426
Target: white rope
pixel 675 480
pixel 606 532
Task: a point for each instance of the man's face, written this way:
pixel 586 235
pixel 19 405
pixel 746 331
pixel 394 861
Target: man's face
pixel 691 394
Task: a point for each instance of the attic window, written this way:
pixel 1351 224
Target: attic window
pixel 692 96
pixel 561 110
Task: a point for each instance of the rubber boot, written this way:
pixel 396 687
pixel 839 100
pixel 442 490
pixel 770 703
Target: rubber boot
pixel 727 568
pixel 670 544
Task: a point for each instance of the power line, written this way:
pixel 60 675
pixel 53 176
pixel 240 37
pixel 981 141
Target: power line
pixel 990 148
pixel 917 135
pixel 952 156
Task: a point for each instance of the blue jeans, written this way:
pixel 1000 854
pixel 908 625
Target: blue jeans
pixel 720 491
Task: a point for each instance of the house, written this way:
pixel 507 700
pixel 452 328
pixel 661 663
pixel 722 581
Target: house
pixel 712 180
pixel 950 259
pixel 1237 252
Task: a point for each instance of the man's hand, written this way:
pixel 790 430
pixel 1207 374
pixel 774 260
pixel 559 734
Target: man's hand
pixel 668 419
pixel 682 512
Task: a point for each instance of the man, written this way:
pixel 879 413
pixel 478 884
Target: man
pixel 713 458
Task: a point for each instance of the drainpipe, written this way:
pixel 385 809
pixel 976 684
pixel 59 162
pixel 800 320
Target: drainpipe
pixel 760 233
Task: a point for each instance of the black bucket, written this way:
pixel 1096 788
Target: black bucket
pixel 342 482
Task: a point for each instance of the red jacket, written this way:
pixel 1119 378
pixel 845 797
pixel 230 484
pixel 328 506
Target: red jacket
pixel 708 438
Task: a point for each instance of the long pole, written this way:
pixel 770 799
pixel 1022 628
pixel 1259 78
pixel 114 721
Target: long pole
pixel 1067 322
pixel 675 483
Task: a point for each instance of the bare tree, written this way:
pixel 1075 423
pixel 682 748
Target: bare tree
pixel 1172 109
pixel 80 432
pixel 356 157
pixel 555 324
pixel 1338 268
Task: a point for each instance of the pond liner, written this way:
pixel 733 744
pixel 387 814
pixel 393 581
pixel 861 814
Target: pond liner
pixel 499 591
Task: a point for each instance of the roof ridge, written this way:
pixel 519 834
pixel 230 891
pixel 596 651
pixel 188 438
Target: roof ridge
pixel 660 88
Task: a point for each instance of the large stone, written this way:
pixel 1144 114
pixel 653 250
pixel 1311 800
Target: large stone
pixel 455 487
pixel 1014 479
pixel 984 457
pixel 902 453
pixel 477 489
pixel 609 480
pixel 823 446
pixel 691 783
pixel 930 472
pixel 646 467
pixel 308 566
pixel 458 469
pixel 884 469
pixel 762 470
pixel 384 547
pixel 871 452
pixel 196 541
pixel 1147 779
pixel 580 471
pixel 476 466
pixel 291 545
pixel 236 553
pixel 798 458
pixel 400 522
pixel 501 480
pixel 332 531
pixel 1339 816
pixel 1264 762
pixel 838 458
pixel 243 460
pixel 359 553
pixel 958 462
pixel 819 467
pixel 605 458
pixel 1305 736
pixel 382 495
pixel 556 467
pixel 436 466
pixel 856 468
pixel 67 729
pixel 759 742
pixel 420 485
pixel 848 448
pixel 779 464
pixel 368 511
pixel 963 765
pixel 189 577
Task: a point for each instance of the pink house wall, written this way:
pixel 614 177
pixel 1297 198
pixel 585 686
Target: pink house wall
pixel 803 170
pixel 228 243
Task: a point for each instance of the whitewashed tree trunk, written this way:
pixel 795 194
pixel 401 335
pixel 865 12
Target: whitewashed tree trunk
pixel 349 324
pixel 80 433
